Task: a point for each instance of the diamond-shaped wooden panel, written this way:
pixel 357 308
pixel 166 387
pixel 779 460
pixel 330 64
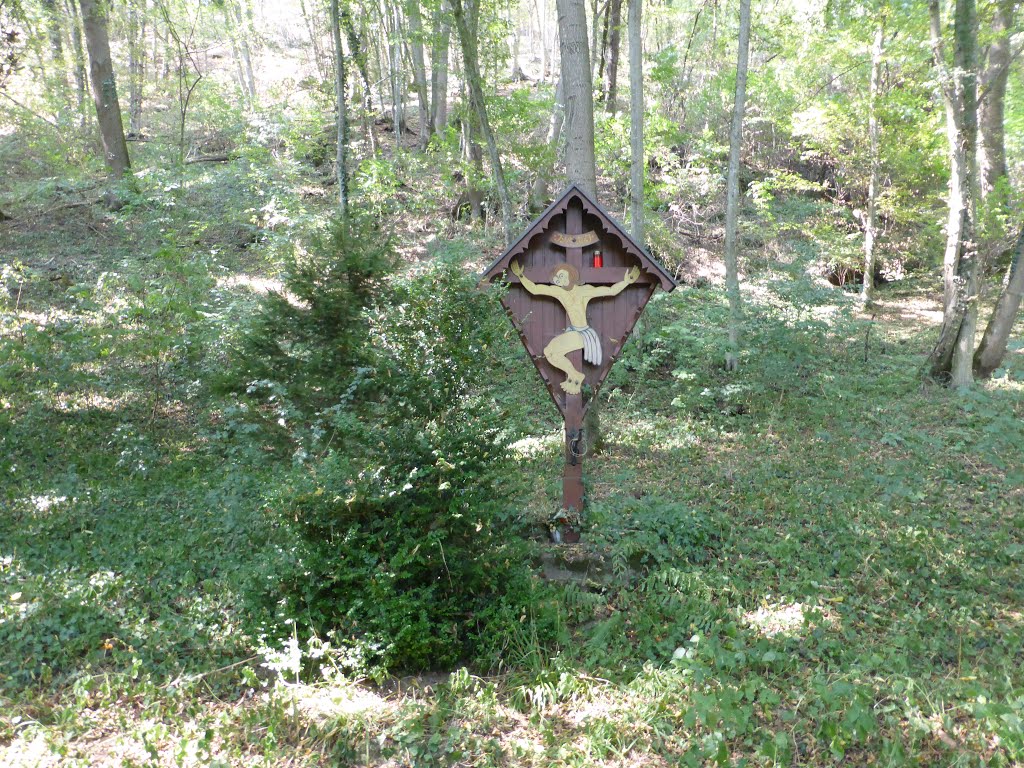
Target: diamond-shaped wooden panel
pixel 573 230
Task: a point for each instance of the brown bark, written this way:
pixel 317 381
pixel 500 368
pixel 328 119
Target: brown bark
pixel 104 88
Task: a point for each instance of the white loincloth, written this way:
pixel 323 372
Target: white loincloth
pixel 591 343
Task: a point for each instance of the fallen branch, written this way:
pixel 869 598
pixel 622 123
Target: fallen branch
pixel 208 159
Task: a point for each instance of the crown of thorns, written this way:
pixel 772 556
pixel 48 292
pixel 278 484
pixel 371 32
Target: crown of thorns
pixel 574 274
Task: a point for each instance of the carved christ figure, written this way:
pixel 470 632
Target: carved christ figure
pixel 574 297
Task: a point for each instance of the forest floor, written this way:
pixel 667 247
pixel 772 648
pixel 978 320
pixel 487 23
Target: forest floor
pixel 812 561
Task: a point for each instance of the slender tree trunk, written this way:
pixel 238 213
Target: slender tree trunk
pixel 636 120
pixel 542 22
pixel 473 159
pixel 580 165
pixel 614 37
pixel 58 74
pixel 78 68
pixel 397 113
pixel 539 191
pixel 419 70
pixel 243 44
pixel 992 348
pixel 953 355
pixel 136 64
pixel 104 89
pixel 867 291
pixel 439 68
pixel 342 118
pixel 314 36
pixel 361 57
pixel 732 194
pixel 467 31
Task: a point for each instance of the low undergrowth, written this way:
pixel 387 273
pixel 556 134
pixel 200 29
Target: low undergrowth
pixel 812 561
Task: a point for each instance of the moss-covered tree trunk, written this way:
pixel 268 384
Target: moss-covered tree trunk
pixel 952 358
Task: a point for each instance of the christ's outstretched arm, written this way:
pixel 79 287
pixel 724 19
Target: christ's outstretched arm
pixel 528 284
pixel 632 275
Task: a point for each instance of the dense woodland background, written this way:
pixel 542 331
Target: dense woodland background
pixel 278 481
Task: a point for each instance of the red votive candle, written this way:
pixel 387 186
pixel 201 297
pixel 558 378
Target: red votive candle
pixel 598 259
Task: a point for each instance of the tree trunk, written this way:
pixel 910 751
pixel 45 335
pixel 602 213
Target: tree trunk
pixel 243 44
pixel 467 31
pixel 360 56
pixel 136 64
pixel 314 37
pixel 104 88
pixel 539 191
pixel 439 68
pixel 342 117
pixel 614 37
pixel 953 355
pixel 732 194
pixel 78 69
pixel 542 21
pixel 473 160
pixel 992 348
pixel 580 166
pixel 397 113
pixel 991 144
pixel 53 30
pixel 419 69
pixel 636 121
pixel 867 291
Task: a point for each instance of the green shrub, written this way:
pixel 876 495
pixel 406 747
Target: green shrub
pixel 309 339
pixel 407 552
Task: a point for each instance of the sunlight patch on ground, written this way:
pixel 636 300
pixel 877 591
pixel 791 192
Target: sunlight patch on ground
pixel 258 285
pixel 535 446
pixel 75 402
pixel 319 703
pixel 780 618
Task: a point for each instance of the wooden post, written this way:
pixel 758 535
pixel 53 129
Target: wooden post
pixel 572 478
